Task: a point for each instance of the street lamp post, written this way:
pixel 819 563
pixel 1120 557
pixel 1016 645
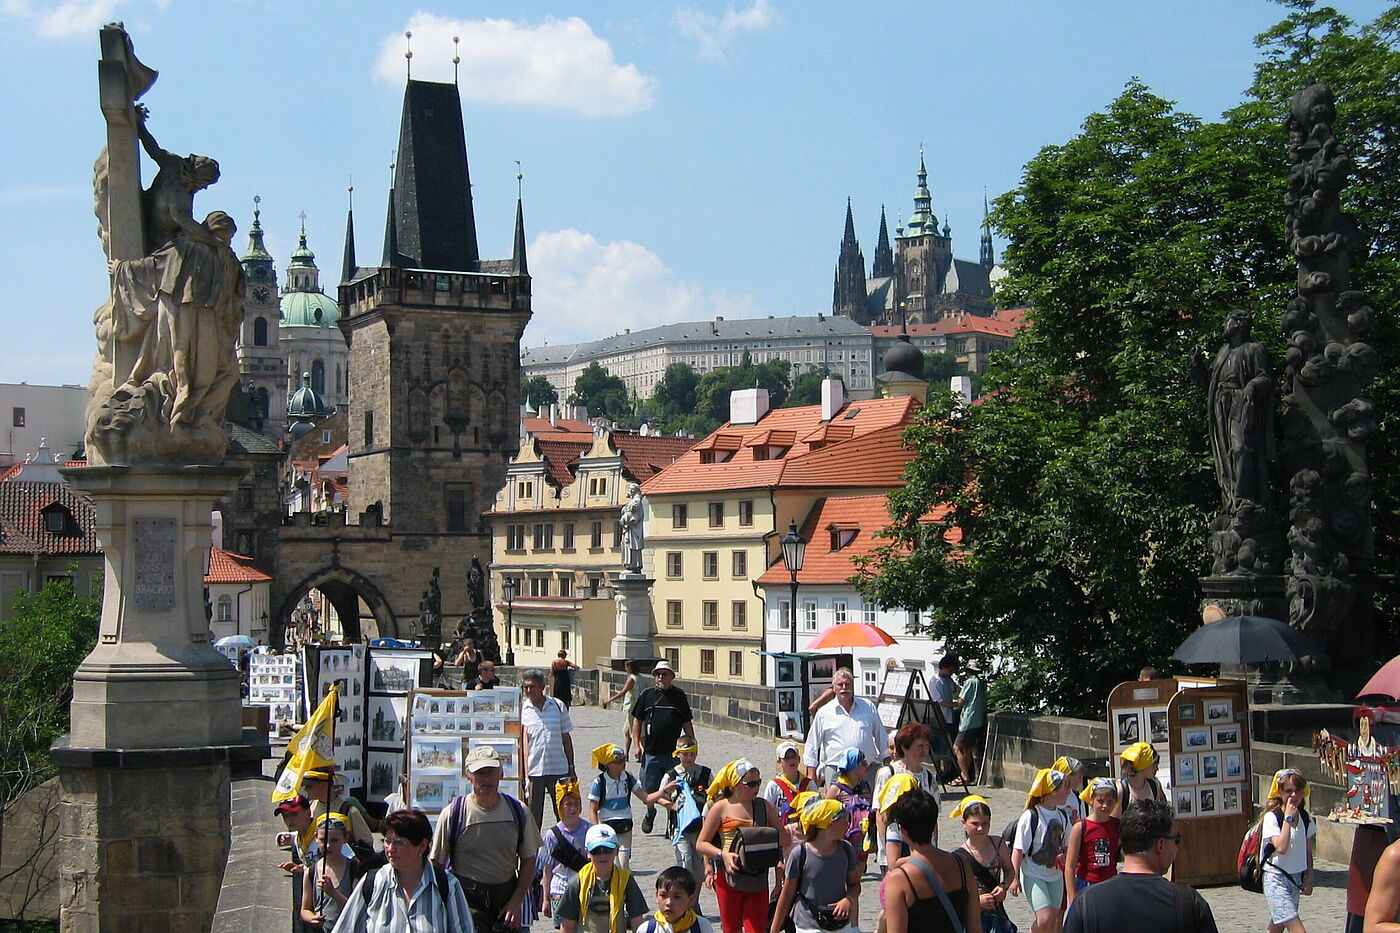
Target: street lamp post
pixel 794 551
pixel 509 586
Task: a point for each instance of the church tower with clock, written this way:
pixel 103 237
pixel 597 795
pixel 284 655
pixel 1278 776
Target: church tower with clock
pixel 261 364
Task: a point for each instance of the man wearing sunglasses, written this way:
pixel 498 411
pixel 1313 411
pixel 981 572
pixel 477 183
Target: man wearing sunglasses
pixel 1139 898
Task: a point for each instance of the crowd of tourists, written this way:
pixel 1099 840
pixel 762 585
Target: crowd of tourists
pixel 785 845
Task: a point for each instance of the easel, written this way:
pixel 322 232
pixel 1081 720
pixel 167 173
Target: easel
pixel 905 698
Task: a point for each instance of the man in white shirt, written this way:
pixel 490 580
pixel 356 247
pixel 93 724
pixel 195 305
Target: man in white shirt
pixel 549 747
pixel 849 722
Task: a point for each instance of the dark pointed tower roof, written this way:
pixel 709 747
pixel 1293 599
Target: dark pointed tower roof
pixel 347 263
pixel 518 264
pixel 987 258
pixel 922 222
pixel 391 235
pixel 256 251
pixel 849 297
pixel 431 210
pixel 884 256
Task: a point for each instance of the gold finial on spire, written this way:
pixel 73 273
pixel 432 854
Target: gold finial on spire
pixel 456 59
pixel 350 189
pixel 408 53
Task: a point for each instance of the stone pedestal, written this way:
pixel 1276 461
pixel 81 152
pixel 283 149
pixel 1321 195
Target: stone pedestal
pixel 632 591
pixel 154 680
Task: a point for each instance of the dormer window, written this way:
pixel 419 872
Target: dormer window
pixel 58 520
pixel 842 535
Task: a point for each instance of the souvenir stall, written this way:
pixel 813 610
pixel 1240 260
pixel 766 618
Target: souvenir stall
pixel 799 679
pixel 1200 730
pixel 274 681
pixel 443 726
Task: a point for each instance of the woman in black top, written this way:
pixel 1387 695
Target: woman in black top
pixel 911 887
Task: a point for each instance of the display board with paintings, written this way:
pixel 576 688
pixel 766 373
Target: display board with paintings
pixel 1200 729
pixel 391 673
pixel 443 726
pixel 798 680
pixel 274 681
pixel 343 666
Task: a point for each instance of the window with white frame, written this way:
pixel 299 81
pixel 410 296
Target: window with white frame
pixel 784 614
pixel 568 536
pixel 515 537
pixel 709 616
pixel 736 664
pixel 740 564
pixel 566 584
pixel 707 660
pixel 539 585
pixel 739 615
pixel 838 611
pixel 225 608
pixel 869 614
pixel 673 563
pixel 809 615
pixel 709 565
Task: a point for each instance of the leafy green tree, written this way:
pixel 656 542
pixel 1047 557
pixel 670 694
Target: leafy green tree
pixel 674 395
pixel 712 394
pixel 539 391
pixel 604 394
pixel 40 648
pixel 1083 488
pixel 941 367
pixel 807 388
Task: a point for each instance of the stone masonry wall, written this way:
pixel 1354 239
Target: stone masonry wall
pixel 164 835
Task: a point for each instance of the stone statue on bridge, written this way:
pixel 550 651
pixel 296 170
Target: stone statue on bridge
pixel 632 512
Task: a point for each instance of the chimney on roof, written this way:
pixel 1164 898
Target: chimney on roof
pixel 747 406
pixel 961 386
pixel 833 397
pixel 580 412
pixel 554 415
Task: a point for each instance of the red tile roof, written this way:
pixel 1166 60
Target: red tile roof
pixel 743 471
pixel 228 567
pixel 874 459
pixel 12 470
pixel 867 516
pixel 644 457
pixel 22 508
pixel 563 429
pixel 1000 324
pixel 560 458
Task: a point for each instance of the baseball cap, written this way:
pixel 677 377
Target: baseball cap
pixel 601 836
pixel 786 747
pixel 663 665
pixel 291 805
pixel 322 774
pixel 483 756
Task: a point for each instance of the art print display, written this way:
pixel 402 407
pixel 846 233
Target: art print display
pixel 1158 732
pixel 1205 801
pixel 387 716
pixel 788 700
pixel 1231 799
pixel 505 748
pixel 787 673
pixel 274 681
pixel 1226 736
pixel 1128 727
pixel 444 726
pixel 1195 738
pixel 1184 801
pixel 1185 769
pixel 432 791
pixel 435 755
pixel 1219 711
pixel 382 771
pixel 1210 767
pixel 1186 711
pixel 396 673
pixel 1234 765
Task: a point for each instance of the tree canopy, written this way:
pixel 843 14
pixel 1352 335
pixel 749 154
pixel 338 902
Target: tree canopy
pixel 604 394
pixel 1083 485
pixel 539 391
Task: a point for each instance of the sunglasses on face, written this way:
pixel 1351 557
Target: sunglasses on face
pixel 750 783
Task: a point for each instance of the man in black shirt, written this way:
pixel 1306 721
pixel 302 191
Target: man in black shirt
pixel 661 715
pixel 1138 898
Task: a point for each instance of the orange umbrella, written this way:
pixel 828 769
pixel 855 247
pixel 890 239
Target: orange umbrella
pixel 852 635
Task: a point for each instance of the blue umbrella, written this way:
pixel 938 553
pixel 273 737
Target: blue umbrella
pixel 235 641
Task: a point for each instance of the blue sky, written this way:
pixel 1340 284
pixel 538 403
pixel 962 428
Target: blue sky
pixel 681 160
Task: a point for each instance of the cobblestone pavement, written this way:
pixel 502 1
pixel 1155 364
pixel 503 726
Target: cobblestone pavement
pixel 256 896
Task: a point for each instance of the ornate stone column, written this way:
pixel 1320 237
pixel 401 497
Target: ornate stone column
pixel 632 591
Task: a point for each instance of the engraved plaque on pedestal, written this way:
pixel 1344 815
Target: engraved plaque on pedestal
pixel 153 544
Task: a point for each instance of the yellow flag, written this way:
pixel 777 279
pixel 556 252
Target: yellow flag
pixel 312 748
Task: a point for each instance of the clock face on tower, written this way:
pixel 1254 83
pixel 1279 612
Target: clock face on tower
pixel 260 294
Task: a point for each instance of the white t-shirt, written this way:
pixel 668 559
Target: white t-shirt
pixel 1295 860
pixel 1051 834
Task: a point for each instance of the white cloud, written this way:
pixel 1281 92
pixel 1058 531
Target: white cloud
pixel 714 34
pixel 65 20
pixel 558 63
pixel 585 290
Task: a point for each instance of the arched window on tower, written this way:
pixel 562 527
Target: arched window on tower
pixel 260 332
pixel 318 377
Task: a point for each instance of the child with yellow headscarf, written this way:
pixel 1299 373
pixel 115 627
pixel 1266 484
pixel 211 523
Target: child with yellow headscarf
pixel 1092 853
pixel 610 797
pixel 821 876
pixel 1038 849
pixel 561 853
pixel 990 859
pixel 735 805
pixel 1138 762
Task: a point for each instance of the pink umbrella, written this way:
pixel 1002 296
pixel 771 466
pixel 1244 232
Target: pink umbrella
pixel 852 635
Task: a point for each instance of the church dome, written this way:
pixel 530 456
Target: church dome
pixel 305 404
pixel 904 357
pixel 309 309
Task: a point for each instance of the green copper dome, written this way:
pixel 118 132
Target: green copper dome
pixel 309 309
pixel 305 403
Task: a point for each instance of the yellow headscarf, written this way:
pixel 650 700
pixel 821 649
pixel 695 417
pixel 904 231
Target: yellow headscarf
pixel 897 786
pixel 968 801
pixel 728 776
pixel 1140 755
pixel 815 811
pixel 605 754
pixel 1067 764
pixel 563 789
pixel 341 817
pixel 1096 785
pixel 1282 773
pixel 1047 781
pixel 683 747
pixel 617 892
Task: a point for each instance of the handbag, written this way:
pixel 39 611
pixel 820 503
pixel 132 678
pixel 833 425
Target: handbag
pixel 758 851
pixel 823 914
pixel 619 826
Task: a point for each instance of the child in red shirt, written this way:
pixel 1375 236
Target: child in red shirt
pixel 1091 854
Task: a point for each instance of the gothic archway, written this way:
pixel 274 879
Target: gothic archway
pixel 362 610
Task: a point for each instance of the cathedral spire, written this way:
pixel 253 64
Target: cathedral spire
pixel 988 258
pixel 923 222
pixel 518 264
pixel 849 297
pixel 347 266
pixel 884 256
